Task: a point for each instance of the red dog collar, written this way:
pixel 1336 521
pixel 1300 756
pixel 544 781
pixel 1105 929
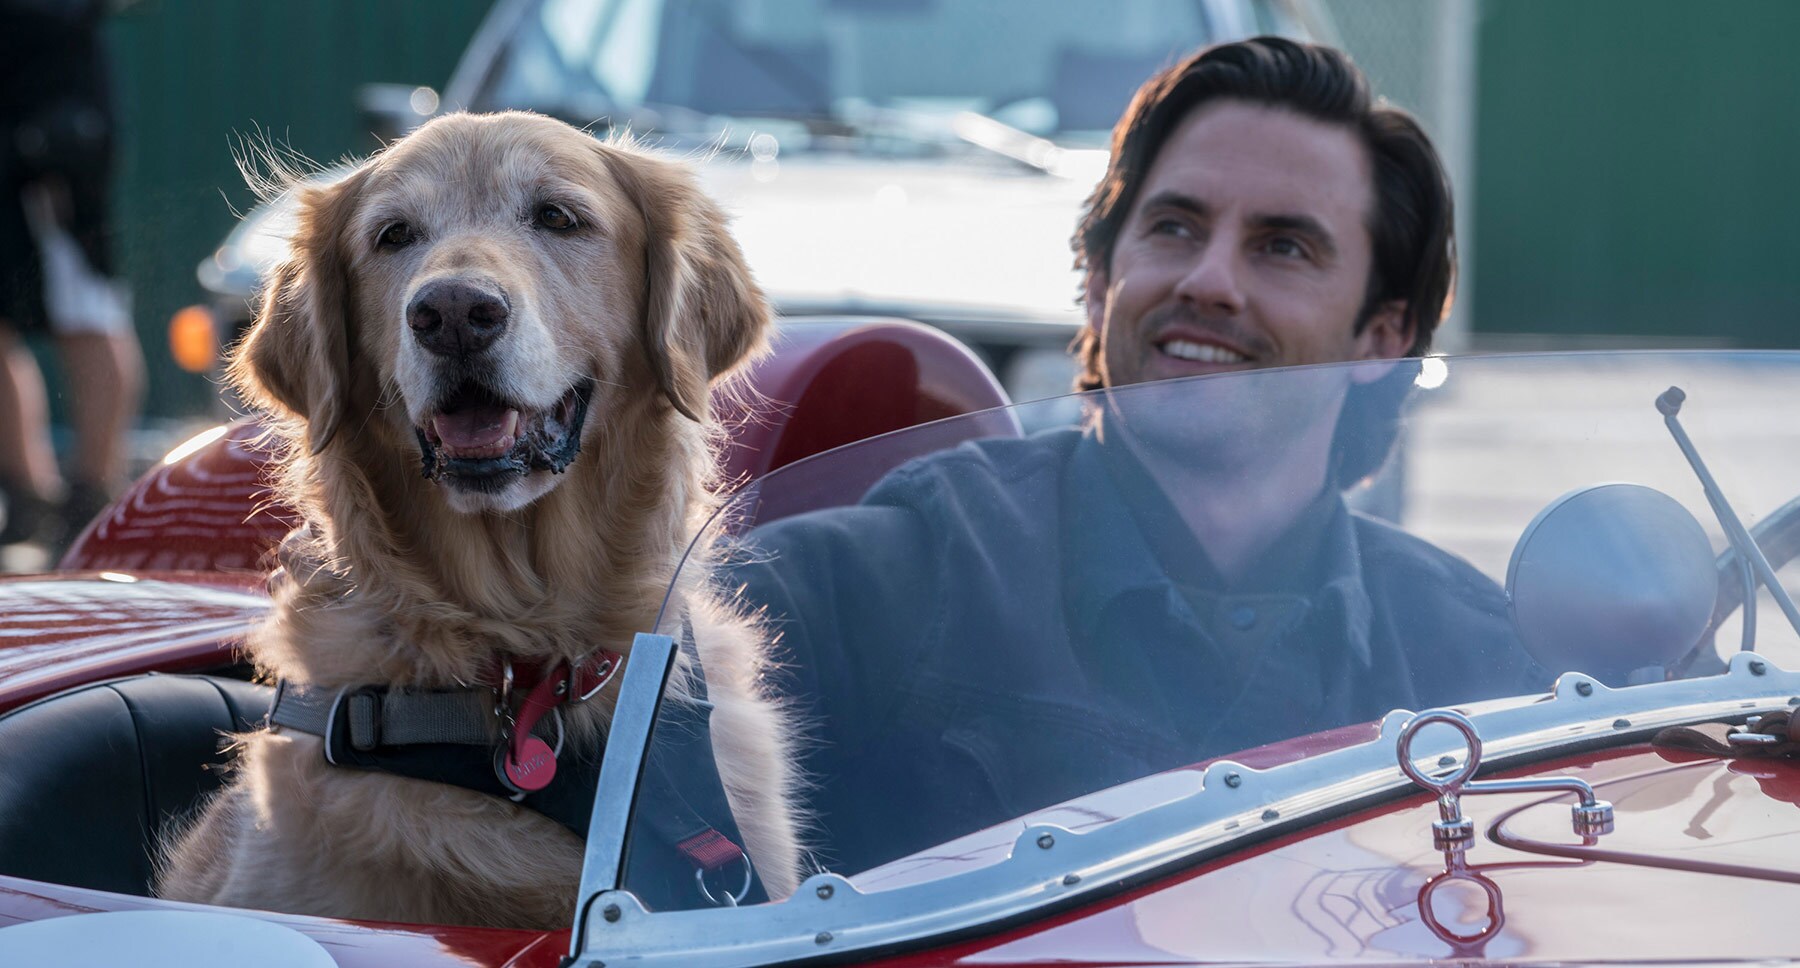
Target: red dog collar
pixel 526 763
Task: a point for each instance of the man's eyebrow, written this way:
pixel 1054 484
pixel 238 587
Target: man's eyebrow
pixel 1176 200
pixel 1300 225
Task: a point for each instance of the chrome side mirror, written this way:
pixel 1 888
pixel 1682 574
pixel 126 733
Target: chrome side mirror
pixel 1614 580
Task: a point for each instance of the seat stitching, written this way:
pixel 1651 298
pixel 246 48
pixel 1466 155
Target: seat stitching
pixel 149 818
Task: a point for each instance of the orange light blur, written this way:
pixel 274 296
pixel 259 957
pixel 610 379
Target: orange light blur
pixel 192 341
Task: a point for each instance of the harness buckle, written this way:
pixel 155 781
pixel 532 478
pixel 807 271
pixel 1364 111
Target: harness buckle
pixel 353 705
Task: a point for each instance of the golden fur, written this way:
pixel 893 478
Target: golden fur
pixel 400 580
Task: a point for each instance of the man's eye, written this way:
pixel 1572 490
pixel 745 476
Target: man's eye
pixel 397 235
pixel 1286 247
pixel 1171 227
pixel 554 217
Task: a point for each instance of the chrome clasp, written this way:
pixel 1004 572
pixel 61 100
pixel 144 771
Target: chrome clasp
pixel 1592 817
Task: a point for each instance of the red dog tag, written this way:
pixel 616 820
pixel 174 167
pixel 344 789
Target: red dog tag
pixel 533 767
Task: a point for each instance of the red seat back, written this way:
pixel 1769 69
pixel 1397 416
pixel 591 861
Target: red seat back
pixel 834 382
pixel 827 383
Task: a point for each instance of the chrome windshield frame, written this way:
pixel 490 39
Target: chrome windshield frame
pixel 1051 867
pixel 627 745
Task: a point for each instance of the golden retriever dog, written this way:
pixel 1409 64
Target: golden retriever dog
pixel 537 318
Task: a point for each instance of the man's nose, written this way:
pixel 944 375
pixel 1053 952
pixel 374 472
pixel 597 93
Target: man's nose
pixel 1214 282
pixel 457 317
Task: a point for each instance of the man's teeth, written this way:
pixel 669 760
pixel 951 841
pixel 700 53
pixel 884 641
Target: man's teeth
pixel 1183 349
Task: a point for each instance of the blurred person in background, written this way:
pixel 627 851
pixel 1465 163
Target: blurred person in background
pixel 56 271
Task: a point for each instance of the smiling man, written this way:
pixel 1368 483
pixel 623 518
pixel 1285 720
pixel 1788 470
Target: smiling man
pixel 1016 622
pixel 1247 247
pixel 1260 209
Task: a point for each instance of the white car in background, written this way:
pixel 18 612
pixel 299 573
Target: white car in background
pixel 926 159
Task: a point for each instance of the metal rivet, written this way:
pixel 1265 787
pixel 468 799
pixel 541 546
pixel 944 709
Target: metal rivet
pixel 1584 688
pixel 823 937
pixel 1234 780
pixel 1046 841
pixel 1621 724
pixel 825 891
pixel 1446 760
pixel 1069 880
pixel 1758 667
pixel 611 912
pixel 1271 814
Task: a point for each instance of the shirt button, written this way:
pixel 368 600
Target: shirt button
pixel 1243 617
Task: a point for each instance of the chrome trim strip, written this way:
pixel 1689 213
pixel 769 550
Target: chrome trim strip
pixel 627 740
pixel 829 916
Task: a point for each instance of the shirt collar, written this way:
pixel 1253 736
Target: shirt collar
pixel 1109 554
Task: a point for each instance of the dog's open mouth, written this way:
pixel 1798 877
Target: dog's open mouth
pixel 478 440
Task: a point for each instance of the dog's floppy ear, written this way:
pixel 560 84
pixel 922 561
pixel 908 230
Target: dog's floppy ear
pixel 703 313
pixel 296 357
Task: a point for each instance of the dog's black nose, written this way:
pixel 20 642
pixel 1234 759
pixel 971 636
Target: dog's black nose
pixel 457 317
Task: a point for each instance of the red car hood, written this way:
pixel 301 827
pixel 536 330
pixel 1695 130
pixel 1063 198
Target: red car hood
pixel 66 629
pixel 1705 856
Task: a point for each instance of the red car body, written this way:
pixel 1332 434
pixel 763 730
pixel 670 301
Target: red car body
pixel 168 581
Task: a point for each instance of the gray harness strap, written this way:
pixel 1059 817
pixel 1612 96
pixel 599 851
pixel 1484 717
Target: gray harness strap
pixel 463 717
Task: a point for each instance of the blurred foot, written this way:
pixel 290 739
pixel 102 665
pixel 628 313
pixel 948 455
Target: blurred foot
pixel 28 516
pixel 83 504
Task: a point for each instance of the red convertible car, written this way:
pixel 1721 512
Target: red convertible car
pixel 1563 739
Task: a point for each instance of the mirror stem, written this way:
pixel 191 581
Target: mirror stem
pixel 1669 403
pixel 1748 641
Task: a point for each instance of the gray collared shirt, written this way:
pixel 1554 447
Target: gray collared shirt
pixel 990 631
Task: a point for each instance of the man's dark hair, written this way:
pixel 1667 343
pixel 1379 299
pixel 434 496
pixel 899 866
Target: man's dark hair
pixel 1411 227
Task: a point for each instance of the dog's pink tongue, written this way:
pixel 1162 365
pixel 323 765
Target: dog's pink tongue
pixel 477 431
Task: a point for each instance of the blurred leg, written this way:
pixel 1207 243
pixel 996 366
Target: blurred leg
pixel 108 370
pixel 26 458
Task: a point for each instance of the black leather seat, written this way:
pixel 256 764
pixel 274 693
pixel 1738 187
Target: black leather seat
pixel 90 778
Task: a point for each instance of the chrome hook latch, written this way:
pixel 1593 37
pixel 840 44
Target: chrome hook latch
pixel 1592 817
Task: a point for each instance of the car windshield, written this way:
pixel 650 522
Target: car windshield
pixel 896 71
pixel 979 629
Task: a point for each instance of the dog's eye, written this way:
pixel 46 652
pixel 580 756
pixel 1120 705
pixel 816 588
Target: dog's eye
pixel 554 217
pixel 396 235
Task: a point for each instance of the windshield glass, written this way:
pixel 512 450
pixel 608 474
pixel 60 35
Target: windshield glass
pixel 977 629
pixel 1065 69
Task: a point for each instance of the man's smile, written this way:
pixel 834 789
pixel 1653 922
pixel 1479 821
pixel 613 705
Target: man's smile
pixel 1183 349
pixel 1184 346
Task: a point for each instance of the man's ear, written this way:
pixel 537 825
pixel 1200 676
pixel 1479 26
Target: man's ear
pixel 703 313
pixel 1386 336
pixel 296 358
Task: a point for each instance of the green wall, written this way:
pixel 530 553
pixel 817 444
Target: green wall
pixel 1636 169
pixel 1634 157
pixel 192 75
